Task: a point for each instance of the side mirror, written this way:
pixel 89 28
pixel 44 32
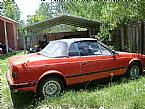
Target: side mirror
pixel 114 52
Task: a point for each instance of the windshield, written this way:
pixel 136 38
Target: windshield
pixel 55 49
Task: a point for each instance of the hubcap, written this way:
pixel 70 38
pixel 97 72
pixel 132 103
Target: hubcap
pixel 134 72
pixel 51 88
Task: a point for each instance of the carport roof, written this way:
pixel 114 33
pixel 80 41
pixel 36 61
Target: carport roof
pixel 64 19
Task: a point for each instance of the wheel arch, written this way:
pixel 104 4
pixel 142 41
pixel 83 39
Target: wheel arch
pixel 53 73
pixel 138 61
pixel 135 61
pixel 132 62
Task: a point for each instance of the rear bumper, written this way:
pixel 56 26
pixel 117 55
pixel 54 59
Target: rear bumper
pixel 31 86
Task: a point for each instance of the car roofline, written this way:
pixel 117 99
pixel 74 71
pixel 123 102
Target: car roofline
pixel 72 40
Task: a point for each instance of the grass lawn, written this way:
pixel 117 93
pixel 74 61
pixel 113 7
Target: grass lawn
pixel 121 94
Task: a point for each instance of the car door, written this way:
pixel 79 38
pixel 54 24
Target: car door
pixel 73 65
pixel 96 61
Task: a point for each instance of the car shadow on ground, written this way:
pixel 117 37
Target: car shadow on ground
pixel 27 100
pixel 22 99
pixel 97 84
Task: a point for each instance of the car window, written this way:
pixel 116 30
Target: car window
pixel 86 48
pixel 104 50
pixel 73 50
pixel 55 49
pixel 95 48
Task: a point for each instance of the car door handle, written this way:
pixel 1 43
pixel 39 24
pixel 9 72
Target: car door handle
pixel 83 63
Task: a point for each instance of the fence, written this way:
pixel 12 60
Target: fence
pixel 131 37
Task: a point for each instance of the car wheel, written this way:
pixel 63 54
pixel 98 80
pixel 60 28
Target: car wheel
pixel 50 87
pixel 134 71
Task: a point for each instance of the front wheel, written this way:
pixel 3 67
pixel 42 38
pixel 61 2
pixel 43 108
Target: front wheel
pixel 134 71
pixel 50 87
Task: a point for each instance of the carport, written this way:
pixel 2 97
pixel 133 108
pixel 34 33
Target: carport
pixel 32 30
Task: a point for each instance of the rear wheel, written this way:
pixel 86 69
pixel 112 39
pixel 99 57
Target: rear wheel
pixel 50 87
pixel 134 71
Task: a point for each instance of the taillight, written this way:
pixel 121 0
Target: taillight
pixel 14 75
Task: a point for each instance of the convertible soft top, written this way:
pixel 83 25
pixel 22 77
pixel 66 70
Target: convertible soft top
pixel 72 40
pixel 60 48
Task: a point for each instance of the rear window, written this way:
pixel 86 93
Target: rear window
pixel 55 49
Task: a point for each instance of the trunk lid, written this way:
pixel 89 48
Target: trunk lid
pixel 25 58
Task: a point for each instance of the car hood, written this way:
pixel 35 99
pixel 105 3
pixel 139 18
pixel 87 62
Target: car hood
pixel 26 58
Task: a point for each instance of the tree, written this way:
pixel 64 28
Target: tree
pixel 109 13
pixel 11 10
pixel 1 8
pixel 41 14
pixel 48 10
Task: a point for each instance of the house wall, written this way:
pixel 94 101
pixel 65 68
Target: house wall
pixel 2 33
pixel 8 37
pixel 16 39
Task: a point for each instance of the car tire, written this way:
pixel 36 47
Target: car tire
pixel 50 87
pixel 134 71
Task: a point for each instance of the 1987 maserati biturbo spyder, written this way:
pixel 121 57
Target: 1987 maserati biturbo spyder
pixel 66 62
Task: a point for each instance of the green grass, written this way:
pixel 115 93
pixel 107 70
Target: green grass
pixel 121 94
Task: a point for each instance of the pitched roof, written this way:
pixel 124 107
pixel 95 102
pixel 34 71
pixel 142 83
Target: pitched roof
pixel 64 19
pixel 8 19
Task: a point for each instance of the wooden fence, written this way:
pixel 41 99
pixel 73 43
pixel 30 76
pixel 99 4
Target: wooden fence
pixel 131 37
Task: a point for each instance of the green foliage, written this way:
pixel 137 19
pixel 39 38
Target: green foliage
pixel 1 7
pixel 21 27
pixel 110 14
pixel 87 9
pixel 41 14
pixel 11 10
pixel 48 11
pixel 44 11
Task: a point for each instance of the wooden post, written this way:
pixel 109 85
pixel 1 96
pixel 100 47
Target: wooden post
pixel 6 38
pixel 142 37
pixel 24 41
pixel 15 35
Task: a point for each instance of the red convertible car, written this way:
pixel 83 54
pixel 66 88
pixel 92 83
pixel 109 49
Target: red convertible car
pixel 70 61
